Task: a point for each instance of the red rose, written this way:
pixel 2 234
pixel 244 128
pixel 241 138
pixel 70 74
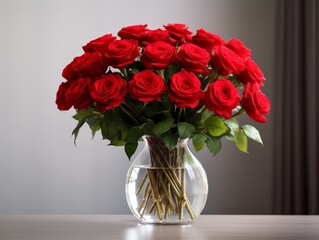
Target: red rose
pixel 207 40
pixel 86 65
pixel 255 103
pixel 132 32
pixel 77 93
pixel 109 91
pixel 158 55
pixel 252 73
pixel 185 89
pixel 221 97
pixel 155 35
pixel 98 44
pixel 120 53
pixel 226 61
pixel 179 32
pixel 193 58
pixel 146 86
pixel 60 101
pixel 238 47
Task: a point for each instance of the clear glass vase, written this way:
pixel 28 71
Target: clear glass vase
pixel 166 186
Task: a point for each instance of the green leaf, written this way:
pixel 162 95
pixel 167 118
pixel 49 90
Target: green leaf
pixel 161 115
pixel 94 123
pixel 216 126
pixel 95 127
pixel 162 127
pixel 109 129
pixel 185 129
pixel 205 114
pixel 127 116
pixel 234 80
pixel 134 134
pixel 199 141
pixel 76 130
pixel 117 142
pixel 170 140
pixel 252 133
pixel 233 126
pixel 170 71
pixel 84 114
pixel 114 128
pixel 214 145
pixel 241 140
pixel 232 123
pixel 193 117
pixel 92 117
pixel 130 149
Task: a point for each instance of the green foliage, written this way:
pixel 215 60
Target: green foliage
pixel 122 127
pixel 76 130
pixel 162 127
pixel 199 141
pixel 241 140
pixel 169 139
pixel 171 69
pixel 114 128
pixel 130 149
pixel 214 145
pixel 134 134
pixel 216 126
pixel 185 130
pixel 239 134
pixel 92 117
pixel 252 133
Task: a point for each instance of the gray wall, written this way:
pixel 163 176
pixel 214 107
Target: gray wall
pixel 42 172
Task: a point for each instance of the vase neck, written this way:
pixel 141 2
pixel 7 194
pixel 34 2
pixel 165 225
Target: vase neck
pixel 161 156
pixel 150 140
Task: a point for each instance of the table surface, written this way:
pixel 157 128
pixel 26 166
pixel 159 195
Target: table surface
pixel 119 227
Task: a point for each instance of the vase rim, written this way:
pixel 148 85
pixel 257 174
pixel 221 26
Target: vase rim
pixel 180 141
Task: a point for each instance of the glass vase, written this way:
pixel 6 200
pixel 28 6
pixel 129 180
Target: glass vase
pixel 166 186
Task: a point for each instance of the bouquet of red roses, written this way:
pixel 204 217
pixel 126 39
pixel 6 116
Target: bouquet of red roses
pixel 168 83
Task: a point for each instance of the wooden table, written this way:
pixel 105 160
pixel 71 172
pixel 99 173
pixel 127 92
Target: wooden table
pixel 120 227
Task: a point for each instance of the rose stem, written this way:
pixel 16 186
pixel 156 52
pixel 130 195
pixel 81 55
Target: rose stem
pixel 155 194
pixel 145 198
pixel 141 185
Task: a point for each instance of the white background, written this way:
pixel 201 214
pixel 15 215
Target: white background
pixel 42 172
